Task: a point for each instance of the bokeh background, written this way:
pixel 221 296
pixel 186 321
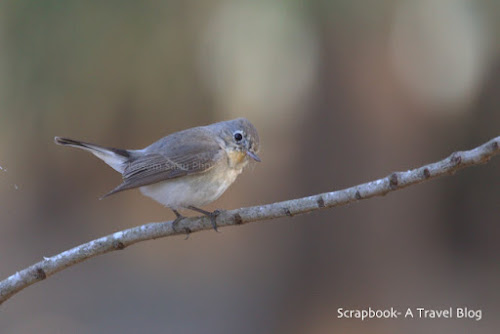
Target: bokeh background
pixel 342 92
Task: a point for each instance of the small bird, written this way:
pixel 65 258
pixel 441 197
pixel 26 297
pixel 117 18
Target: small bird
pixel 184 170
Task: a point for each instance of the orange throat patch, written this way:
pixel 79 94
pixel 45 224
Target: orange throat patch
pixel 236 158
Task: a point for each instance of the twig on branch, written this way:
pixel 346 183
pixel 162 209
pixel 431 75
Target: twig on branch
pixel 119 240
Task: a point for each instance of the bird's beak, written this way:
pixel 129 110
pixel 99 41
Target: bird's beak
pixel 253 156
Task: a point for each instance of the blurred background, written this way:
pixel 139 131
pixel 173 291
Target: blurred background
pixel 342 92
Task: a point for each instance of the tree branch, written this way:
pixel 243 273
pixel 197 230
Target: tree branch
pixel 119 240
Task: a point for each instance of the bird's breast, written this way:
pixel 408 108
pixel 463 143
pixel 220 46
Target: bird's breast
pixel 197 190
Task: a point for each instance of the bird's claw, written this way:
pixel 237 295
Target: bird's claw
pixel 176 221
pixel 212 215
pixel 213 218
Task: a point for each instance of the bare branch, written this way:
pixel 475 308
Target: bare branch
pixel 119 240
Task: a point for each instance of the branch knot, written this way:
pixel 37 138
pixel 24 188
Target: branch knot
pixel 393 181
pixel 117 244
pixel 40 274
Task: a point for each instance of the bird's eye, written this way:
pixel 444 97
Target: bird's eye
pixel 238 136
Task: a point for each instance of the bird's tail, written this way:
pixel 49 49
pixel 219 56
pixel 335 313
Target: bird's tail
pixel 115 158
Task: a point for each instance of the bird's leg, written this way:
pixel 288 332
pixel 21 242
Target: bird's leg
pixel 178 218
pixel 212 215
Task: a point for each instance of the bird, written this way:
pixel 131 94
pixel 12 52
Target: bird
pixel 186 169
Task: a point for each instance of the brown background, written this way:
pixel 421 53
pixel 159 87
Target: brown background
pixel 342 92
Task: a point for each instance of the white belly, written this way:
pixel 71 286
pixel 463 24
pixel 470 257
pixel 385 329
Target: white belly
pixel 196 190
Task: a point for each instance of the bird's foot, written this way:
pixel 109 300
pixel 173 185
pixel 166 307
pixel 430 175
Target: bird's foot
pixel 212 215
pixel 177 220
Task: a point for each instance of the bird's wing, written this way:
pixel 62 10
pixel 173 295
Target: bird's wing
pixel 191 157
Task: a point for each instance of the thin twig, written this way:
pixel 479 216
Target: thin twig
pixel 119 240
